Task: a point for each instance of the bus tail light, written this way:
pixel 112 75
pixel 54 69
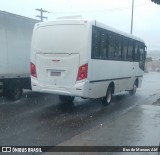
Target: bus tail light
pixel 82 72
pixel 33 70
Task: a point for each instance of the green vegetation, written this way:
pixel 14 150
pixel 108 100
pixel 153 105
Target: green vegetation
pixel 148 59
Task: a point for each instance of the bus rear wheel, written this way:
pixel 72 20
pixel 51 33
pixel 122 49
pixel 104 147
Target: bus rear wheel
pixel 108 98
pixel 134 89
pixel 66 99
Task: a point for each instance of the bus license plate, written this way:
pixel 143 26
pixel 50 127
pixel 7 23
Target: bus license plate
pixel 55 74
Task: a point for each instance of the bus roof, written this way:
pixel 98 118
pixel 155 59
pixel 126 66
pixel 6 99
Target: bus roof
pixel 92 22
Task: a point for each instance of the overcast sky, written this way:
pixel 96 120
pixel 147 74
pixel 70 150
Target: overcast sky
pixel 115 13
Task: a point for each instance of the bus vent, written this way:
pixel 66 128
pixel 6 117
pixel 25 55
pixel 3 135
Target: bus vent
pixel 71 17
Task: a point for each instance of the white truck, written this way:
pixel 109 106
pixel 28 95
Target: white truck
pixel 15 41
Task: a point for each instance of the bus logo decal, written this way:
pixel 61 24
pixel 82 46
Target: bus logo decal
pixel 55 60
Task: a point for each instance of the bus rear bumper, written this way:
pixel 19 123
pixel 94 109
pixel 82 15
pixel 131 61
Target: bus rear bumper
pixel 79 89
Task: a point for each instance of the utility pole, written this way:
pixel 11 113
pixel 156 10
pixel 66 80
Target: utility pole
pixel 41 14
pixel 132 16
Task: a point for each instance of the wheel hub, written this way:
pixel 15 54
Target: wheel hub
pixel 109 96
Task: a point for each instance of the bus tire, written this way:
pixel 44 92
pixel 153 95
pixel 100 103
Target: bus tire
pixel 14 90
pixel 134 89
pixel 66 99
pixel 108 98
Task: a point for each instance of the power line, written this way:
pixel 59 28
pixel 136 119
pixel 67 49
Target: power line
pixel 41 14
pixel 93 11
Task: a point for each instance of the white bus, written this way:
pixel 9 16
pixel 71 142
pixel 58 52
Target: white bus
pixel 85 58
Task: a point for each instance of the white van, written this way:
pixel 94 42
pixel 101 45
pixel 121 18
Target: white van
pixel 85 58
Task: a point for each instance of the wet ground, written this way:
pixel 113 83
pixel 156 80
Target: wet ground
pixel 39 119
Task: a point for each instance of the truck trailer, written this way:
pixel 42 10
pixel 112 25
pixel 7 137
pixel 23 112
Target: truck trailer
pixel 15 42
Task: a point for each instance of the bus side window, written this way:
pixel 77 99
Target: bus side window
pixel 95 43
pixel 130 50
pixel 141 56
pixel 125 49
pixel 103 45
pixel 111 45
pixel 136 52
pixel 118 47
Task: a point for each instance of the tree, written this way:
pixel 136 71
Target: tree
pixel 156 1
pixel 148 59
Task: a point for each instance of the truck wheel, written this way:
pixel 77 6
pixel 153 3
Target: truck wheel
pixel 134 89
pixel 66 99
pixel 108 98
pixel 14 90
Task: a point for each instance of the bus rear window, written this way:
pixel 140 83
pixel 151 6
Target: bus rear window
pixel 60 38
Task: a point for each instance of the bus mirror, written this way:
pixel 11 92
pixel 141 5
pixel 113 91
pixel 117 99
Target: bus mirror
pixel 145 47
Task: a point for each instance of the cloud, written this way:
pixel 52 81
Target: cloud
pixel 116 13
